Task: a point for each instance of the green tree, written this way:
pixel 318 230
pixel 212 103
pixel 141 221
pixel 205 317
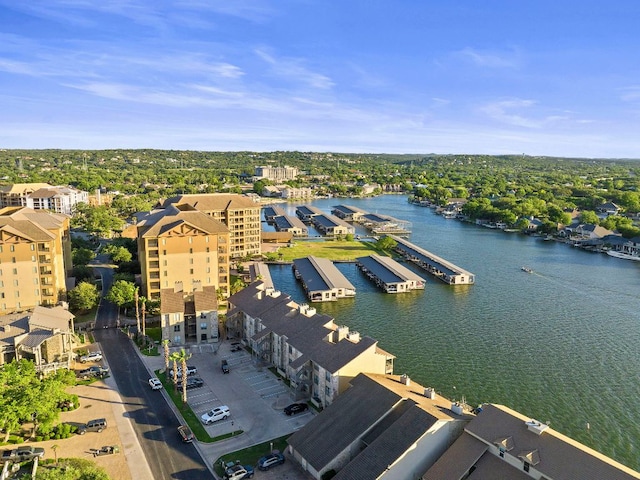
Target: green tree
pixel 119 254
pixel 83 297
pixel 122 293
pixel 82 256
pixel 386 244
pixel 70 469
pixel 589 216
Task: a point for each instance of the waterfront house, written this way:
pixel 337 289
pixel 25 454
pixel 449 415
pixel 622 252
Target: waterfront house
pixel 317 357
pixel 382 427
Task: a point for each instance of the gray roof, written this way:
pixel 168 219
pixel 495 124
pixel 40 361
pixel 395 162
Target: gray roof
pixel 388 270
pixel 13 325
pixel 384 414
pixel 320 274
pixel 306 333
pixel 458 459
pixel 36 338
pixel 560 457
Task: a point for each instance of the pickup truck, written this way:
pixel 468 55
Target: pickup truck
pixel 22 454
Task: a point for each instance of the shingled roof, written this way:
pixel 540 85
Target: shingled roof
pixel 207 202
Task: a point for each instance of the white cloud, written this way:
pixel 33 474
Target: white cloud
pixel 509 59
pixel 293 70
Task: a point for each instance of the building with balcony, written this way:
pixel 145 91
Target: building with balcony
pixel 35 258
pixel 316 356
pixel 276 174
pixel 239 213
pixel 182 250
pixel 42 196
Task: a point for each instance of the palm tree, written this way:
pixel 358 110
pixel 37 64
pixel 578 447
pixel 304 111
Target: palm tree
pixel 183 356
pixel 174 357
pixel 144 310
pixel 137 299
pixel 165 346
pixel 55 452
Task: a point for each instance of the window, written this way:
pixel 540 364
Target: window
pixel 17 294
pixel 208 260
pixel 176 328
pixel 177 339
pixel 203 326
pixel 35 281
pixel 327 376
pixel 12 248
pixel 208 270
pixel 207 249
pixel 13 259
pixel 164 241
pixel 190 239
pixel 191 261
pixel 206 240
pixel 15 283
pixel 34 270
pixel 526 466
pixel 315 380
pixel 15 271
pixel 164 263
pixel 501 453
pixel 203 337
pixel 327 391
pixel 191 271
pixel 191 250
pixel 33 247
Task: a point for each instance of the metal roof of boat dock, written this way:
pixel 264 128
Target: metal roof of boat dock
pixel 320 274
pixel 348 209
pixel 330 221
pixel 429 258
pixel 284 222
pixel 308 210
pixel 387 270
pixel 271 211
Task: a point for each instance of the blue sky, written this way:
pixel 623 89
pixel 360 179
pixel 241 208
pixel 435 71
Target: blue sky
pixel 538 77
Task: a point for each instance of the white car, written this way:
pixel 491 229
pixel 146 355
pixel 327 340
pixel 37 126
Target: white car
pixel 155 383
pixel 191 370
pixel 91 357
pixel 218 413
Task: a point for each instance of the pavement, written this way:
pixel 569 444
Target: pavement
pixel 255 396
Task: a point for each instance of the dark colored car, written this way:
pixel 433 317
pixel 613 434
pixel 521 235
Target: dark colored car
pixel 296 408
pixel 185 434
pixel 225 366
pixel 270 460
pixel 96 425
pixel 193 382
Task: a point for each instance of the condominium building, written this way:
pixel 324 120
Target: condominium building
pixel 317 357
pixel 277 174
pixel 182 246
pixel 42 196
pixel 35 258
pixel 238 212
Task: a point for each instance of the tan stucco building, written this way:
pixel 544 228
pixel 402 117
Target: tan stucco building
pixel 238 212
pixel 184 259
pixel 35 258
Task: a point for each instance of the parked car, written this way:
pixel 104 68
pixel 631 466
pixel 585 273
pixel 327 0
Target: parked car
pixel 191 370
pixel 155 383
pixel 91 357
pixel 296 408
pixel 225 366
pixel 218 413
pixel 97 371
pixel 238 472
pixel 186 434
pixel 194 382
pixel 270 460
pixel 96 425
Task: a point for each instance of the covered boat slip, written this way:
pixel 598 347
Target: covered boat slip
pixel 436 266
pixel 389 275
pixel 286 223
pixel 321 280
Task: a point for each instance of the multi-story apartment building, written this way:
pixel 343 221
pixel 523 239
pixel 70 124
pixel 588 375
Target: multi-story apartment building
pixel 184 259
pixel 238 212
pixel 316 356
pixel 42 196
pixel 35 258
pixel 277 174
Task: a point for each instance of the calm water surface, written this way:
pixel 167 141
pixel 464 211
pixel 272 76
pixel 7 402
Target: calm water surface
pixel 560 345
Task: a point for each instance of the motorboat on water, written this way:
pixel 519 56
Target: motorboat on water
pixel 526 269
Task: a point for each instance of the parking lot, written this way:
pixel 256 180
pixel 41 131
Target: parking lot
pixel 255 397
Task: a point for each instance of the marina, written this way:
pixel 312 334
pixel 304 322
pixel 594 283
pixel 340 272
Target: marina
pixel 389 275
pixel 321 280
pixel 560 344
pixel 435 265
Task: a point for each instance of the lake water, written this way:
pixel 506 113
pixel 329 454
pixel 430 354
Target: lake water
pixel 561 345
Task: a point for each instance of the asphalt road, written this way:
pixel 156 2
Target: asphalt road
pixel 152 419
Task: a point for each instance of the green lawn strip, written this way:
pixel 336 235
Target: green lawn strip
pixel 191 418
pixel 88 316
pixel 336 250
pixel 250 455
pixel 154 332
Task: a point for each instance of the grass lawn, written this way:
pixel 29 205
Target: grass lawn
pixel 331 249
pixel 250 456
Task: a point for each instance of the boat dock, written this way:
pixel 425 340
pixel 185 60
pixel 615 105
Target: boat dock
pixel 321 280
pixel 389 275
pixel 377 224
pixel 436 266
pixel 287 223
